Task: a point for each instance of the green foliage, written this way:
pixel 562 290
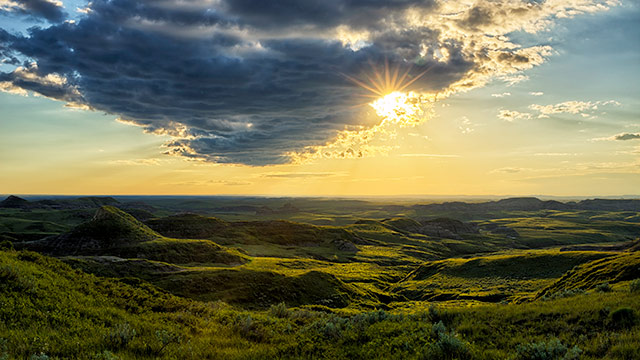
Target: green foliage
pixel 634 286
pixel 120 336
pixel 622 318
pixel 604 287
pixel 166 338
pixel 40 356
pixel 564 294
pixel 279 310
pixel 105 355
pixel 447 345
pixel 547 350
pixel 427 287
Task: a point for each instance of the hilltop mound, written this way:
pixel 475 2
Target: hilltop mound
pixel 440 227
pixel 279 232
pixel 259 289
pixel 110 227
pixel 189 226
pixel 116 233
pixel 587 276
pixel 14 202
pixel 489 278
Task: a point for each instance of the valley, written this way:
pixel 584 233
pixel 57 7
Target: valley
pixel 325 278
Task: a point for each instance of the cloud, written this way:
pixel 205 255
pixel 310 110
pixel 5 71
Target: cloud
pixel 583 108
pixel 240 81
pixel 431 155
pixel 501 95
pixel 465 125
pixel 50 10
pixel 508 170
pixel 135 162
pixel 512 115
pixel 300 174
pixel 536 93
pixel 621 137
pixel 571 107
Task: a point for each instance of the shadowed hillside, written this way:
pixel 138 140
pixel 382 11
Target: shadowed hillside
pixel 114 232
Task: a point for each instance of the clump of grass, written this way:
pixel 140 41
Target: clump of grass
pixel 604 287
pixel 447 345
pixel 40 356
pixel 564 294
pixel 634 286
pixel 622 318
pixel 166 337
pixel 6 245
pixel 280 310
pixel 120 336
pixel 3 349
pixel 105 355
pixel 547 350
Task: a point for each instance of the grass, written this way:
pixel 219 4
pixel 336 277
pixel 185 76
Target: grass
pixel 47 307
pixel 191 286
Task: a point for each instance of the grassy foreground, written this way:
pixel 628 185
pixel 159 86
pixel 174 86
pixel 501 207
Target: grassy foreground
pixel 49 310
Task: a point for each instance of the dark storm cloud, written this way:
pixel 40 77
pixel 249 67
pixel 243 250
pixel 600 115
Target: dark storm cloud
pixel 226 79
pixel 317 13
pixel 37 9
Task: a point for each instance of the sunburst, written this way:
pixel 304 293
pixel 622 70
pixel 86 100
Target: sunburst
pixel 382 82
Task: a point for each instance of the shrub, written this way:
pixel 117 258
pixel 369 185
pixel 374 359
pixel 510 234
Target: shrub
pixel 564 294
pixel 120 336
pixel 280 310
pixel 105 355
pixel 604 287
pixel 40 356
pixel 436 314
pixel 6 245
pixel 551 350
pixel 165 338
pixel 3 349
pixel 634 286
pixel 622 318
pixel 446 346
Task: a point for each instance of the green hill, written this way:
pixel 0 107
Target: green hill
pixel 114 232
pixel 270 232
pixel 50 311
pixel 610 270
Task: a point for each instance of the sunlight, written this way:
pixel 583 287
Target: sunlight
pixel 398 108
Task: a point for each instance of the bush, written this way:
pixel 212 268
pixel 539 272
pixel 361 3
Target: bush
pixel 622 318
pixel 166 337
pixel 436 314
pixel 120 336
pixel 6 245
pixel 40 356
pixel 551 350
pixel 447 345
pixel 279 311
pixel 105 355
pixel 604 287
pixel 634 286
pixel 564 294
pixel 3 349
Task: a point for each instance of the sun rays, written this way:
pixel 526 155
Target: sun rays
pixel 394 107
pixel 382 82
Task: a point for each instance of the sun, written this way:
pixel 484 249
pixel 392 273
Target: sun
pixel 392 103
pixel 400 108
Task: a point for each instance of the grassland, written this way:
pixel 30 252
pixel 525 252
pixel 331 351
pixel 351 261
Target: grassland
pixel 539 284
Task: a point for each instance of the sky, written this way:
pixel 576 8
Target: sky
pixel 320 98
